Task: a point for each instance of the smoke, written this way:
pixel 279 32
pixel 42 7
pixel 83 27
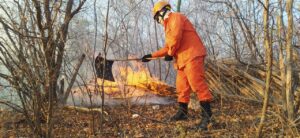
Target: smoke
pixel 93 99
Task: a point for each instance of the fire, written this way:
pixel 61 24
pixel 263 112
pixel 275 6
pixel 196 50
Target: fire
pixel 132 80
pixel 135 80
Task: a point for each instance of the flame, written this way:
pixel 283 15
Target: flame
pixel 136 80
pixel 131 81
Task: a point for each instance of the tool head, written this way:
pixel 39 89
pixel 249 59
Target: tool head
pixel 104 67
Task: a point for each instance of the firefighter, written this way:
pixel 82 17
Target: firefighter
pixel 184 45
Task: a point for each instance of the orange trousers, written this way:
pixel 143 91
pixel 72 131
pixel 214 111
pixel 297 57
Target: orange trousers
pixel 192 77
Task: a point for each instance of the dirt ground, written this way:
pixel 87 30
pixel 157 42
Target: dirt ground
pixel 231 118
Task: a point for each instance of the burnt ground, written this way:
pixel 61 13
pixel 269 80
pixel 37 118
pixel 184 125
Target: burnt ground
pixel 232 118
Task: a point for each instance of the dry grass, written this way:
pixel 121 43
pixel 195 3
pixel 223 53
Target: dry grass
pixel 232 118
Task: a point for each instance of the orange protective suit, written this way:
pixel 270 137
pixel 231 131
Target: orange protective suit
pixel 183 43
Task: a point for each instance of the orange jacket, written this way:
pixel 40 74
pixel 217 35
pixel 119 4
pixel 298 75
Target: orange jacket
pixel 181 41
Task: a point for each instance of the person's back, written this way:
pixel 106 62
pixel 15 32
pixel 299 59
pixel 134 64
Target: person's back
pixel 190 45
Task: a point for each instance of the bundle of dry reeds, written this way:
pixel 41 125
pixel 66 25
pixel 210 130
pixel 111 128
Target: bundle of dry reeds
pixel 231 78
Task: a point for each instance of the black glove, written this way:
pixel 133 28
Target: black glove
pixel 168 58
pixel 146 58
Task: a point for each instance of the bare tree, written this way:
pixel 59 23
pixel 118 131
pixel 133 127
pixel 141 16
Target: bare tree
pixel 178 5
pixel 269 58
pixel 289 60
pixel 281 56
pixel 32 48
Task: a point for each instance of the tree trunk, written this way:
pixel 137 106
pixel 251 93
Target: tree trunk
pixel 157 47
pixel 289 51
pixel 268 50
pixel 178 5
pixel 281 58
pixel 67 93
pixel 105 54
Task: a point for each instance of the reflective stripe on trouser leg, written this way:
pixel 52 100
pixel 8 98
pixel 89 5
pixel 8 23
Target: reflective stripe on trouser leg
pixel 195 73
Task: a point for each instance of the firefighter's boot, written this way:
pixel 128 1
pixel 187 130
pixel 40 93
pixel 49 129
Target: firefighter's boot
pixel 181 113
pixel 206 116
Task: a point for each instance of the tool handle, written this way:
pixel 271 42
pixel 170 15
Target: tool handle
pixel 132 59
